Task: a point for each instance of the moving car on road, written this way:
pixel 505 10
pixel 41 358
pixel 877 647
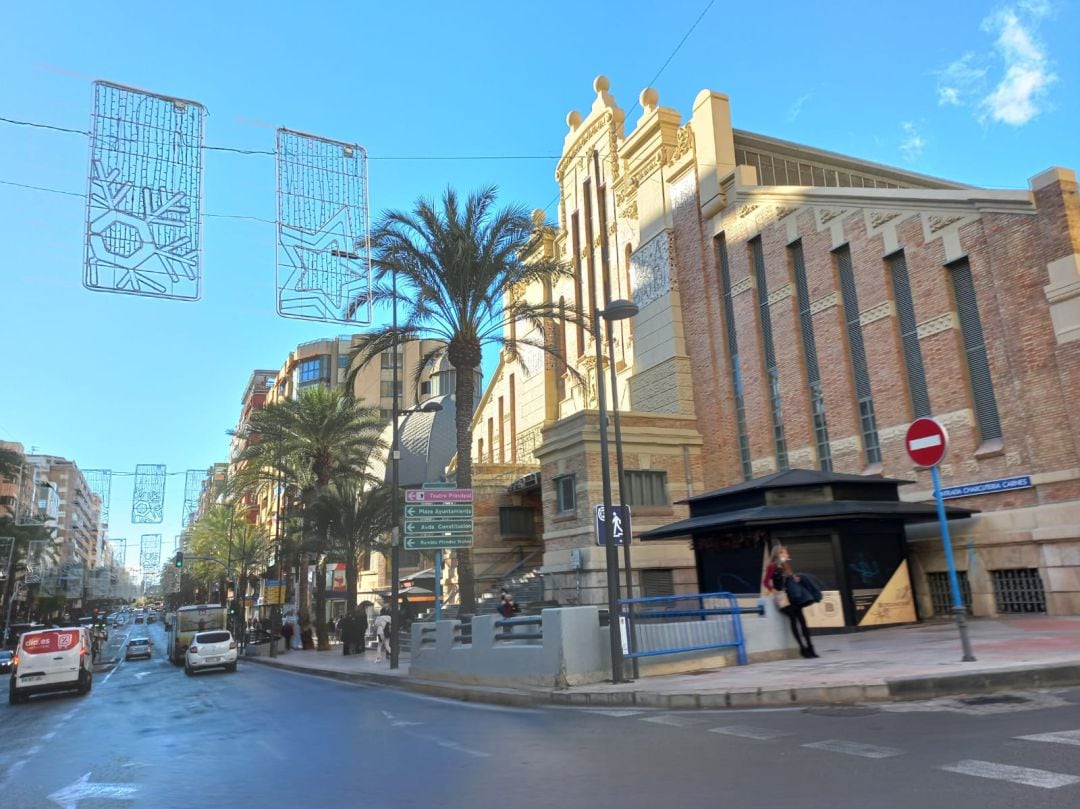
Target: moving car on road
pixel 211 650
pixel 138 647
pixel 52 660
pixel 6 659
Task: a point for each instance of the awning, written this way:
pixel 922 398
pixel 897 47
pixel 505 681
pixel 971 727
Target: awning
pixel 806 513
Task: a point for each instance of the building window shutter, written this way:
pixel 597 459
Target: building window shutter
pixel 978 364
pixel 733 357
pixel 757 253
pixel 864 396
pixel 813 373
pixel 909 336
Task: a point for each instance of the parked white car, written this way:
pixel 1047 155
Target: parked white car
pixel 215 649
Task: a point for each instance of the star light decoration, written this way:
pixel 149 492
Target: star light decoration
pixel 324 256
pixel 144 196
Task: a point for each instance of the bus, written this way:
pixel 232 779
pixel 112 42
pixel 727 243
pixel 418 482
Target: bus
pixel 189 620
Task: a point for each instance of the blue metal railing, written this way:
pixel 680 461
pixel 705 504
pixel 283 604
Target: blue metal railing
pixel 662 625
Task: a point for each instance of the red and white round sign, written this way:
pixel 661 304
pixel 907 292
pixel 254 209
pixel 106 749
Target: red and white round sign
pixel 926 442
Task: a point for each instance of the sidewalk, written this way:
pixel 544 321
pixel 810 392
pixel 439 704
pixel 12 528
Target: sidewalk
pixel 911 662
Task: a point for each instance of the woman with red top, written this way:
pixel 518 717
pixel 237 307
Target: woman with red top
pixel 781 580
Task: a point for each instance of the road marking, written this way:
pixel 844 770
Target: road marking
pixel 613 712
pixel 69 796
pixel 67 717
pixel 404 724
pixel 450 745
pixel 673 720
pixel 1028 776
pixel 388 715
pixel 48 736
pixel 748 732
pixel 265 745
pixel 855 748
pixel 33 751
pixel 1060 737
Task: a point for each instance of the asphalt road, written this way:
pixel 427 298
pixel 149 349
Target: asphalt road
pixel 149 736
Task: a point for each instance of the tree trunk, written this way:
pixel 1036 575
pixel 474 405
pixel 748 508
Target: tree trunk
pixel 464 358
pixel 352 579
pixel 323 640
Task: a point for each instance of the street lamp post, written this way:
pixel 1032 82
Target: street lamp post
pixel 616 310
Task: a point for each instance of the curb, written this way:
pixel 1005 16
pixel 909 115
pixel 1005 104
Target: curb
pixel 898 689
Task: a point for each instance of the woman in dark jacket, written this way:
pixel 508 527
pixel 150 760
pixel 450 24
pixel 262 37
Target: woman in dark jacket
pixel 792 595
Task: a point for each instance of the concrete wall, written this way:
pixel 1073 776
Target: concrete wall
pixel 574 650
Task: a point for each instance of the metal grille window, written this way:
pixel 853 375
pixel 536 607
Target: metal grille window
pixel 565 493
pixel 941 594
pixel 813 373
pixel 645 488
pixel 516 521
pixel 757 254
pixel 657 581
pixel 867 419
pixel 978 365
pixel 733 355
pixel 1018 590
pixel 909 335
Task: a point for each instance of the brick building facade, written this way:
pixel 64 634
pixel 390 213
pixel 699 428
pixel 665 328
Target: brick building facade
pixel 799 308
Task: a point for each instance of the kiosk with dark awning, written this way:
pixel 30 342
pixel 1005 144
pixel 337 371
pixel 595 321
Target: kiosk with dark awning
pixel 847 531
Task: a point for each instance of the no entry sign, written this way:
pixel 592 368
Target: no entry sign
pixel 926 442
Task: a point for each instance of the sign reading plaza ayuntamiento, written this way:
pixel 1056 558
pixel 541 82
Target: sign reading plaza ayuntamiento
pixel 438 518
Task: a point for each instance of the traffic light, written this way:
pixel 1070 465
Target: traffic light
pixel 232 607
pixel 179 558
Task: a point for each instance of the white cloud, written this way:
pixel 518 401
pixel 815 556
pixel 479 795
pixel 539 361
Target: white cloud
pixel 911 147
pixel 1018 94
pixel 1018 97
pixel 796 109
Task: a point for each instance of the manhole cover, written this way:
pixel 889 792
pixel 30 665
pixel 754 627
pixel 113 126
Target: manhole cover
pixel 1004 699
pixel 842 710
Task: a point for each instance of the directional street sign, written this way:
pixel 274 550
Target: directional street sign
pixel 452 511
pixel 438 517
pixel 439 496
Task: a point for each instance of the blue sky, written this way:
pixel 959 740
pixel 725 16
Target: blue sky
pixel 978 92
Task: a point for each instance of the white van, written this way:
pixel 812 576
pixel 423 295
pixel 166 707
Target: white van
pixel 52 660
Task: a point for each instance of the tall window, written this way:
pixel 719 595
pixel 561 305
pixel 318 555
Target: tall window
pixel 772 372
pixel 565 493
pixel 909 335
pixel 867 419
pixel 502 430
pixel 813 374
pixel 579 297
pixel 978 364
pixel 645 487
pixel 386 388
pixel 733 356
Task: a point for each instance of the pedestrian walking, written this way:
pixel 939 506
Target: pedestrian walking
pixel 405 613
pixel 792 594
pixel 287 633
pixel 360 623
pixel 346 630
pixel 507 606
pixel 383 629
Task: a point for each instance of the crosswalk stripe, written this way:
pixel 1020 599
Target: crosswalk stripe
pixel 748 732
pixel 855 748
pixel 674 720
pixel 1059 737
pixel 613 712
pixel 1018 775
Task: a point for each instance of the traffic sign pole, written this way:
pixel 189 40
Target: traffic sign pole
pixel 927 442
pixel 959 610
pixel 438 584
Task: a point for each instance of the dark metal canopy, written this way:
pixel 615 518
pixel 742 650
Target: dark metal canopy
pixel 810 497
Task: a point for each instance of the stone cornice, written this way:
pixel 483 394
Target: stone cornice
pixel 947 201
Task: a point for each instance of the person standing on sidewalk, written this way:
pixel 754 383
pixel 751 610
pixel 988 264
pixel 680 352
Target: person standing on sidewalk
pixel 287 633
pixel 792 593
pixel 359 622
pixel 382 634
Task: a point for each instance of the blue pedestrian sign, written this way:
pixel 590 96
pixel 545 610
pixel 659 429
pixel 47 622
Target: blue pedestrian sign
pixel 620 525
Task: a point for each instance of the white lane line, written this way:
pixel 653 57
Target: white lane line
pixel 1027 776
pixel 748 732
pixel 67 717
pixel 855 748
pixel 1060 737
pixel 673 720
pixel 48 736
pixel 388 715
pixel 450 745
pixel 613 712
pixel 401 723
pixel 33 751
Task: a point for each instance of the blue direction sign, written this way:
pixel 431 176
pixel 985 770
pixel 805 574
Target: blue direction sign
pixel 620 525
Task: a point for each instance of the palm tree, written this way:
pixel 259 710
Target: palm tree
pixel 313 439
pixel 356 516
pixel 11 463
pixel 456 268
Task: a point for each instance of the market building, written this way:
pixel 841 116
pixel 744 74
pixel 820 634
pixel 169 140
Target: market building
pixel 797 309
